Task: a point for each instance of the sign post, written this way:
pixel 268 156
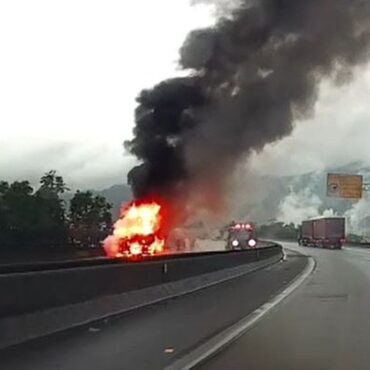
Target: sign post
pixel 344 186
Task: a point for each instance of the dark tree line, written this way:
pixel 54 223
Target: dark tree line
pixel 278 230
pixel 40 217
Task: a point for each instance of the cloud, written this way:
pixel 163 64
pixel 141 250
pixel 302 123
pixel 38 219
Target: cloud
pixel 337 134
pixel 70 72
pixel 220 8
pixel 83 164
pixel 69 75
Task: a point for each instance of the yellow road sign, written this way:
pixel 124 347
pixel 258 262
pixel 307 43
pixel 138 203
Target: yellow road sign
pixel 344 186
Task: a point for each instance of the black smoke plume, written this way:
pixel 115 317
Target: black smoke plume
pixel 250 77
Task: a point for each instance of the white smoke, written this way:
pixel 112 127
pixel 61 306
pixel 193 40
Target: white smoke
pixel 305 204
pixel 298 206
pixel 301 205
pixel 358 218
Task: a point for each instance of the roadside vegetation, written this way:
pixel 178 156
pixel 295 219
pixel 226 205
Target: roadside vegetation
pixel 279 231
pixel 40 217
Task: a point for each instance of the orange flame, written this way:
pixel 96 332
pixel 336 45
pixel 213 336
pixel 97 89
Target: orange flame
pixel 137 231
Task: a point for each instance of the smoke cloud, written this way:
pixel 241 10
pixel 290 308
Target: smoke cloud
pixel 358 218
pixel 302 205
pixel 251 76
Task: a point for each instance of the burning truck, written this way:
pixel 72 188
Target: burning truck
pixel 138 231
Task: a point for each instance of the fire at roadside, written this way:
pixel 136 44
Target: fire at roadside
pixel 138 232
pixel 143 230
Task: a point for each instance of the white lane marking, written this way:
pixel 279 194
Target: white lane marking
pixel 221 340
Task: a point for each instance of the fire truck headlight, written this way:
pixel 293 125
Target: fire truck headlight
pixel 235 243
pixel 252 243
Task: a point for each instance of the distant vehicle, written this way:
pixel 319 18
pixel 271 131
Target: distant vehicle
pixel 326 232
pixel 241 236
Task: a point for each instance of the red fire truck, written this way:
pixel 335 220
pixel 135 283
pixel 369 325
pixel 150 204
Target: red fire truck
pixel 241 235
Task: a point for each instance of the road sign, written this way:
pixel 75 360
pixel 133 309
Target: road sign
pixel 344 186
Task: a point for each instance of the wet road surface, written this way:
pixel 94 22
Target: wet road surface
pixel 324 325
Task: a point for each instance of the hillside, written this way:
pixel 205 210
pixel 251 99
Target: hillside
pixel 294 198
pixel 289 199
pixel 116 195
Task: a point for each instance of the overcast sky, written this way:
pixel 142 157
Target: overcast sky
pixel 70 72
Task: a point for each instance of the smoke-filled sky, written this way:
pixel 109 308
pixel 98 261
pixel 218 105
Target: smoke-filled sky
pixel 338 133
pixel 70 72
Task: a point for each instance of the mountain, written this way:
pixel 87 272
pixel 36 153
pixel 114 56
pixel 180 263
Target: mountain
pixel 294 198
pixel 116 195
pixel 278 198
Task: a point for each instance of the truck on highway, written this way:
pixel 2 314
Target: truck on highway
pixel 241 235
pixel 327 232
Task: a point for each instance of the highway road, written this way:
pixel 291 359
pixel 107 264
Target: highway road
pixel 324 325
pixel 154 337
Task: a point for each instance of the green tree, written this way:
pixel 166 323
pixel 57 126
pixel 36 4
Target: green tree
pixel 4 187
pixel 52 185
pixel 89 217
pixel 51 221
pixel 17 211
pixel 33 218
pixel 278 230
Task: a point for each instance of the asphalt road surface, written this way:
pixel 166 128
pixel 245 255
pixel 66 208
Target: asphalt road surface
pixel 323 325
pixel 154 337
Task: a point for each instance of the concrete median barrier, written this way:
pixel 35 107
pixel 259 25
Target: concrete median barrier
pixel 45 302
